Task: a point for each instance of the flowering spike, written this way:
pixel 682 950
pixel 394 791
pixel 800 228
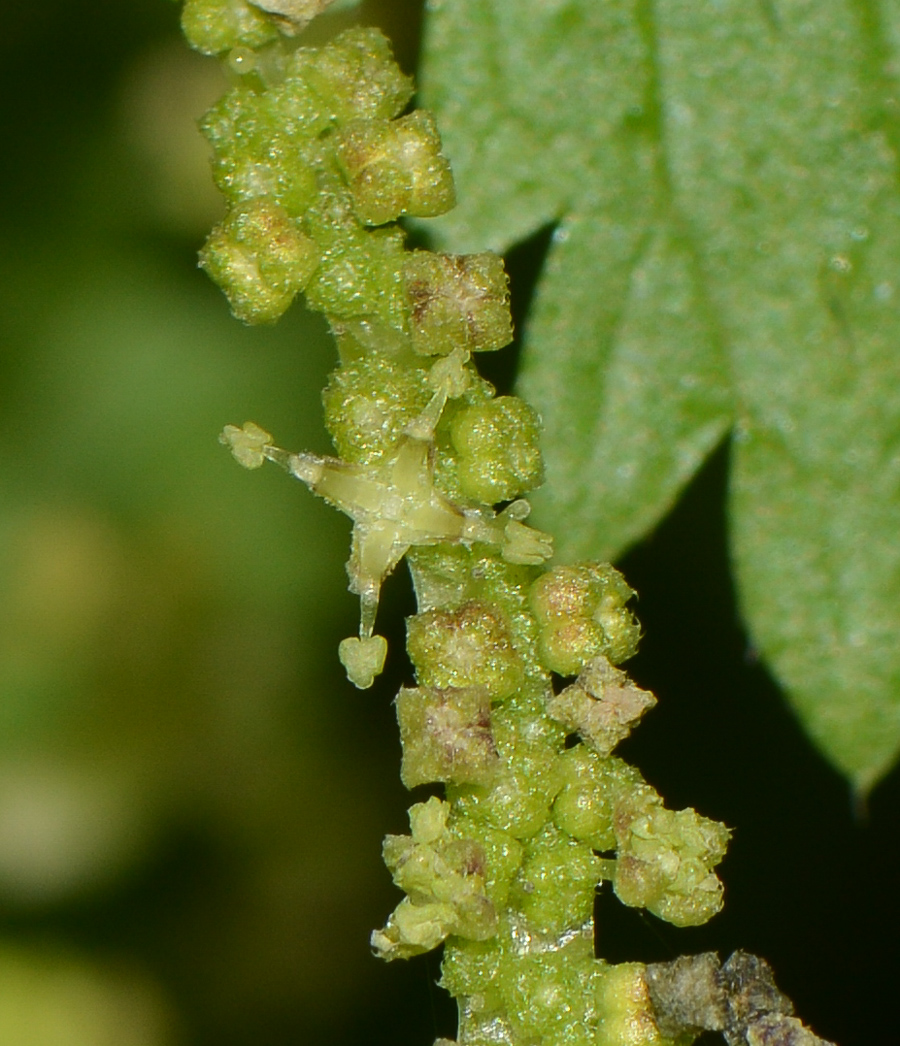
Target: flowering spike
pixel 317 162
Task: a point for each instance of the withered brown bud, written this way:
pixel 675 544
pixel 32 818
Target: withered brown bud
pixel 739 998
pixel 446 735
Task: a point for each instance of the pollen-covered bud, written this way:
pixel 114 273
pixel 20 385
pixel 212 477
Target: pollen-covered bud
pixel 555 886
pixel 468 647
pixel 446 736
pixel 444 879
pixel 603 705
pixel 498 443
pixel 395 167
pixel 260 259
pixel 214 26
pixel 665 860
pixel 457 301
pixel 627 1013
pixel 582 615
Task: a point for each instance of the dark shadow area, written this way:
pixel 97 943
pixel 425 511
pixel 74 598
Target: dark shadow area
pixel 808 887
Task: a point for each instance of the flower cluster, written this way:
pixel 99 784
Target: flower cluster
pixel 317 157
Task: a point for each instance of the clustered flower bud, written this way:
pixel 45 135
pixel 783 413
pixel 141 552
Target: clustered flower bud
pixel 443 878
pixel 262 257
pixel 457 299
pixel 469 647
pixel 498 443
pixel 395 167
pixel 271 145
pixel 582 614
pixel 665 860
pixel 446 736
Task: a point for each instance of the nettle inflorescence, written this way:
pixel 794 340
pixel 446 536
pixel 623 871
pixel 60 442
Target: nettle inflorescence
pixel 318 156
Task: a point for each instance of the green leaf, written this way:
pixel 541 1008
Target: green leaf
pixel 628 372
pixel 725 182
pixel 633 397
pixel 503 78
pixel 783 152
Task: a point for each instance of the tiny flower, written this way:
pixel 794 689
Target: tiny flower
pixel 582 615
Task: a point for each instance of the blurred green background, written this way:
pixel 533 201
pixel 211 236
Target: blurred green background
pixel 192 797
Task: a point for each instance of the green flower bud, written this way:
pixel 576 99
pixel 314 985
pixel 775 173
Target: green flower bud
pixel 529 746
pixel 627 1013
pixel 360 274
pixel 499 449
pixel 355 76
pixel 552 994
pixel 665 860
pixel 446 736
pixel 264 163
pixel 554 889
pixel 469 647
pixel 369 402
pixel 520 987
pixel 260 259
pixel 395 167
pixel 603 704
pixel 591 788
pixel 443 877
pixel 214 26
pixel 457 301
pixel 449 575
pixel 502 856
pixel 582 615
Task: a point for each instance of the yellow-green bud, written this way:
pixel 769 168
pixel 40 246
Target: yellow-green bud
pixel 502 856
pixel 369 402
pixel 519 800
pixel 353 76
pixel 627 1013
pixel 665 860
pixel 555 886
pixel 214 26
pixel 582 615
pixel 499 449
pixel 520 987
pixel 395 167
pixel 457 301
pixel 260 259
pixel 444 878
pixel 591 788
pixel 361 270
pixel 469 647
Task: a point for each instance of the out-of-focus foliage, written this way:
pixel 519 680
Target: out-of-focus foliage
pixel 174 812
pixel 724 182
